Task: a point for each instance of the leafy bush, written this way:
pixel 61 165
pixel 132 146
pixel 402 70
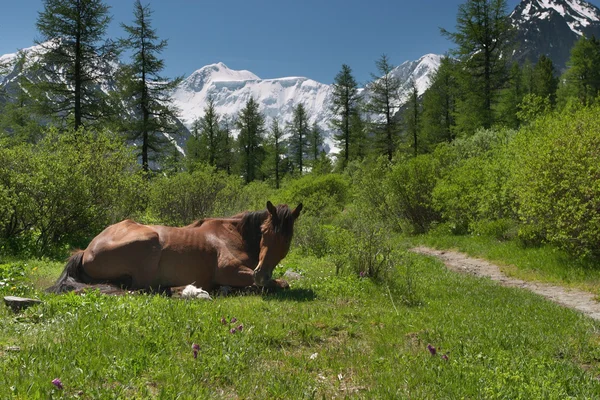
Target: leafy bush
pixel 188 196
pixel 322 195
pixel 556 177
pixel 410 188
pixel 474 186
pixel 66 188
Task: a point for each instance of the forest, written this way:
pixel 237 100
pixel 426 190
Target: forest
pixel 492 147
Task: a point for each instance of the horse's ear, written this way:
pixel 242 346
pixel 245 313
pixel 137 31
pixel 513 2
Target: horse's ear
pixel 296 212
pixel 271 208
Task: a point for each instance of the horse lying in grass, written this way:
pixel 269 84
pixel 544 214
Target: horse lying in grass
pixel 239 251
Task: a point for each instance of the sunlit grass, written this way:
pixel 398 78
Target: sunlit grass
pixel 328 337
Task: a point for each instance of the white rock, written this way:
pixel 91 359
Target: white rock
pixel 192 292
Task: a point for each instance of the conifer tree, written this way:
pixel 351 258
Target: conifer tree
pixel 209 133
pixel 225 154
pixel 75 58
pixel 17 118
pixel 345 104
pixel 412 116
pixel 483 33
pixel 275 153
pixel 315 142
pixel 299 130
pixel 510 98
pixel 146 91
pixel 581 80
pixel 544 80
pixel 251 124
pixel 360 142
pixel 439 104
pixel 384 102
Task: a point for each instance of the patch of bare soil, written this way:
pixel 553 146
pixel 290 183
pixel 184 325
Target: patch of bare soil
pixel 459 262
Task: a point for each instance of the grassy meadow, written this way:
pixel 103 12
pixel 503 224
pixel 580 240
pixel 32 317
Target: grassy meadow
pixel 330 336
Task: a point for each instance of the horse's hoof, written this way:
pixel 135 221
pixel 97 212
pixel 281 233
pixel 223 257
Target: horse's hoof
pixel 281 284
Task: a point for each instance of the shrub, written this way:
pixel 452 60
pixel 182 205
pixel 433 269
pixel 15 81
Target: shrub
pixel 322 195
pixel 67 188
pixel 188 196
pixel 410 187
pixel 556 177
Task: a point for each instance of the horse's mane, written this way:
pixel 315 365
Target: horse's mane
pixel 252 223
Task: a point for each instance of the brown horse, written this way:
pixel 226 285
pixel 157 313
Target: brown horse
pixel 239 251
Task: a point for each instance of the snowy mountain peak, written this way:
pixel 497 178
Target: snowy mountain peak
pixel 578 14
pixel 551 28
pixel 218 72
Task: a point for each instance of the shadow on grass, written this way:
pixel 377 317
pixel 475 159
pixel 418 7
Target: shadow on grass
pixel 298 295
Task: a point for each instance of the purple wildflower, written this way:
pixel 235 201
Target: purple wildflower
pixel 362 274
pixel 56 382
pixel 232 330
pixel 431 349
pixel 223 320
pixel 195 348
pixel 445 357
pixel 240 327
pixel 233 320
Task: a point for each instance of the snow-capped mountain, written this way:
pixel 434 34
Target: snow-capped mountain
pixel 277 98
pixel 551 27
pixel 231 89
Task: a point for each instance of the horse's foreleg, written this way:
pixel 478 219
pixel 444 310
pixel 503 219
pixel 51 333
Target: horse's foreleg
pixel 235 276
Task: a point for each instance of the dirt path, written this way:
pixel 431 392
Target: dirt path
pixel 572 298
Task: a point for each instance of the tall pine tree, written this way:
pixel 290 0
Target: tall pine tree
pixel 76 59
pixel 299 130
pixel 384 103
pixel 275 152
pixel 145 90
pixel 581 80
pixel 483 33
pixel 545 82
pixel 251 124
pixel 439 104
pixel 344 105
pixel 412 116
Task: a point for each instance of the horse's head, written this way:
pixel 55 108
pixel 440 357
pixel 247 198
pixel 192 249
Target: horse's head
pixel 277 231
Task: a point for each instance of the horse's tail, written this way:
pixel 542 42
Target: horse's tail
pixel 71 277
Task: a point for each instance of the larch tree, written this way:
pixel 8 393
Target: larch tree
pixel 439 104
pixel 145 90
pixel 483 38
pixel 345 104
pixel 412 116
pixel 545 81
pixel 75 60
pixel 251 124
pixel 299 130
pixel 384 103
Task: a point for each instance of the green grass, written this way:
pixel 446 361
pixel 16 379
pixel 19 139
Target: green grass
pixel 545 263
pixel 328 337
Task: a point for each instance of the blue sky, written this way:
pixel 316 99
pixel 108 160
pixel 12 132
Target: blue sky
pixel 273 38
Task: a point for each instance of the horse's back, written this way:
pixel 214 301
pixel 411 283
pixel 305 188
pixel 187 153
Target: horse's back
pixel 126 248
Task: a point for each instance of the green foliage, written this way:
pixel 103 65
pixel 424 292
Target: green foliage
pixel 555 176
pixel 482 36
pixel 251 124
pixel 344 106
pixel 410 187
pixel 74 60
pixel 474 186
pixel 144 90
pixel 383 103
pixel 323 195
pixel 66 188
pixel 188 196
pixel 581 81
